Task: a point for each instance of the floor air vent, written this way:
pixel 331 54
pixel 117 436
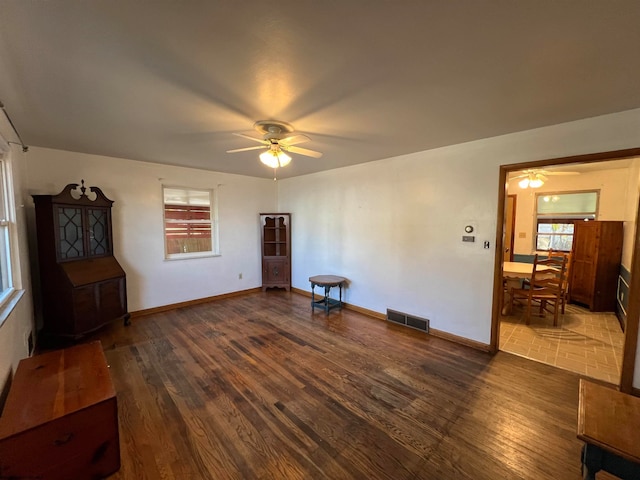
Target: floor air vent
pixel 408 320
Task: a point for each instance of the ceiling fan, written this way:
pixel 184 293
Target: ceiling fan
pixel 277 138
pixel 535 177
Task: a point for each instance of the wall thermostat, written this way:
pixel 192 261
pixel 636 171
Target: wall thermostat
pixel 468 229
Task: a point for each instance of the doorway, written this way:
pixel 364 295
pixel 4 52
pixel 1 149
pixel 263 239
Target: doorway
pixel 578 319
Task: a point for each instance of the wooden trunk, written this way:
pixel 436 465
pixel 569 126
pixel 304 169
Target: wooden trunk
pixel 60 420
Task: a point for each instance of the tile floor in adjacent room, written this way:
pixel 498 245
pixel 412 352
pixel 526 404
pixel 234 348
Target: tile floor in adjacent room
pixel 584 342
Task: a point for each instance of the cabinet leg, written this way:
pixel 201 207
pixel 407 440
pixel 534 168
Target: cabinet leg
pixel 127 320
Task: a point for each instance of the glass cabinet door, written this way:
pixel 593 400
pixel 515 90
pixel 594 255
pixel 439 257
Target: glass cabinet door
pixel 70 233
pixel 98 231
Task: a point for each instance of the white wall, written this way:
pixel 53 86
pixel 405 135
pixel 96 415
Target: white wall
pixel 394 227
pixel 385 227
pixel 613 186
pixel 136 189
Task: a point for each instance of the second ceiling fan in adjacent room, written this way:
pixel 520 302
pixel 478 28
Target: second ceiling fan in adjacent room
pixel 535 177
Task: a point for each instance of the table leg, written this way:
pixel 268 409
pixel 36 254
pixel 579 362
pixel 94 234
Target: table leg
pixel 313 297
pixel 340 296
pixel 327 289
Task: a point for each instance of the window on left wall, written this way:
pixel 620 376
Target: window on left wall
pixel 190 222
pixel 6 224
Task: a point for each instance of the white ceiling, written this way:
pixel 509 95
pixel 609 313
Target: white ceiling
pixel 169 81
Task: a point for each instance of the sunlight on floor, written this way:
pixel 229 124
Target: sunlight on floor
pixel 583 342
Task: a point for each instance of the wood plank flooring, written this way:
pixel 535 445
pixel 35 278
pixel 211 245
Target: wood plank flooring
pixel 259 387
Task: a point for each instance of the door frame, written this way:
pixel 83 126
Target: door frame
pixel 510 242
pixel 633 310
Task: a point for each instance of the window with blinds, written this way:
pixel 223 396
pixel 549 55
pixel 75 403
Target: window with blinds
pixel 189 222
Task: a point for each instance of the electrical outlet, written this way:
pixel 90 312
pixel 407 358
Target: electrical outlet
pixel 240 276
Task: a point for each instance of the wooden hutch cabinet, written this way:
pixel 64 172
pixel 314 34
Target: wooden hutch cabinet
pixel 596 254
pixel 82 285
pixel 275 229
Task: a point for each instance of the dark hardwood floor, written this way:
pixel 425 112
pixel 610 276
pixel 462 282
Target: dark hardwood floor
pixel 258 387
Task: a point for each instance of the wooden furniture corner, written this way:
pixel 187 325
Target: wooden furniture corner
pixel 275 231
pixel 60 419
pixel 608 424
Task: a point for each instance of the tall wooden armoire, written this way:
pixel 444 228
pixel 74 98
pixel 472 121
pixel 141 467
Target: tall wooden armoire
pixel 596 255
pixel 82 284
pixel 275 229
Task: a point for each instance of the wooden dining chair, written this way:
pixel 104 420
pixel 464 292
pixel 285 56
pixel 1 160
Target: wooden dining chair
pixel 545 289
pixel 565 286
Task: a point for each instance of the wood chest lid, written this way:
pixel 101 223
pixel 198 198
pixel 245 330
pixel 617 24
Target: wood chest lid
pixel 55 384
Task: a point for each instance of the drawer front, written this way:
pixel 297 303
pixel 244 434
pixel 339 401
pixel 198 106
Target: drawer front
pixel 112 299
pixel 85 307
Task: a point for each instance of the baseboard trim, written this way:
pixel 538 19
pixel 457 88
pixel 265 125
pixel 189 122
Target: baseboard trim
pixel 346 306
pixel 301 292
pixel 369 313
pixel 433 332
pixel 484 347
pixel 174 306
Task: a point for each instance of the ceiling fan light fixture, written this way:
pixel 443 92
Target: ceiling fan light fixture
pixel 275 158
pixel 278 138
pixel 533 180
pixel 536 183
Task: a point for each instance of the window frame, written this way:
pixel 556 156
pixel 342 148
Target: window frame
pixel 564 218
pixel 8 241
pixel 213 213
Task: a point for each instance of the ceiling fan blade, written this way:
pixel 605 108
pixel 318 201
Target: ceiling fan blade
pixel 294 139
pixel 248 137
pixel 302 151
pixel 246 149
